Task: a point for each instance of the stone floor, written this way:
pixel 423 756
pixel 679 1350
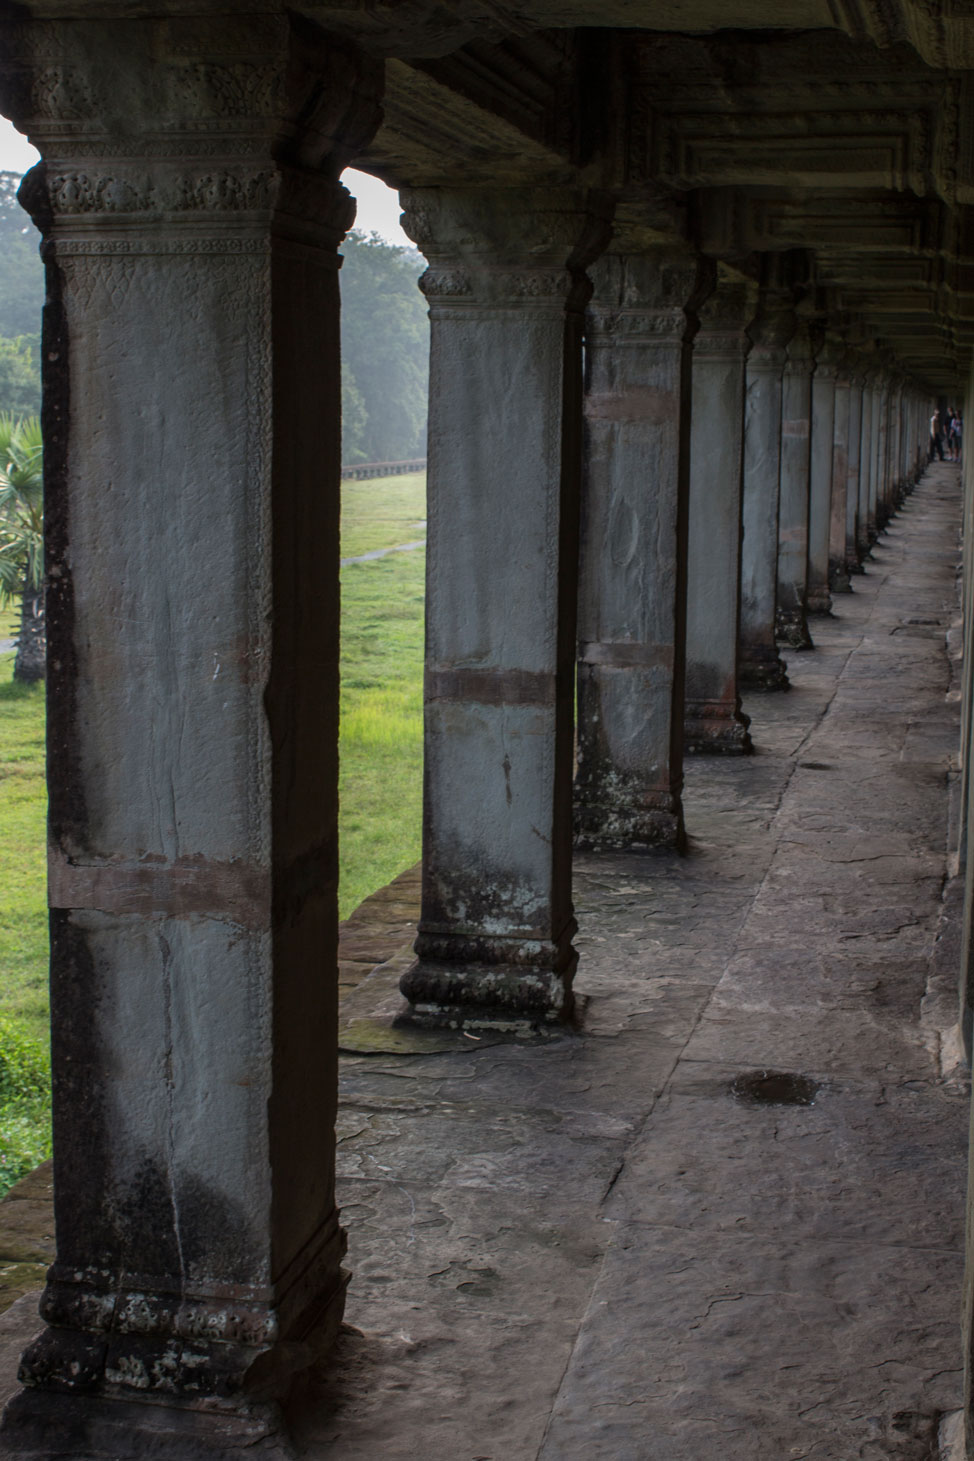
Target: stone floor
pixel 591 1247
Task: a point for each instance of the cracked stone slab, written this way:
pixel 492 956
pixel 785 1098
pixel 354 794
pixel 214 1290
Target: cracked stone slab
pixel 870 1162
pixel 750 1350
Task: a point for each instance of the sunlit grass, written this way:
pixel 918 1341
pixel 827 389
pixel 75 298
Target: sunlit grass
pixel 24 1102
pixel 383 512
pixel 380 807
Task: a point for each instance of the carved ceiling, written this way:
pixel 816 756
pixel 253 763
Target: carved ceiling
pixel 741 143
pixel 846 132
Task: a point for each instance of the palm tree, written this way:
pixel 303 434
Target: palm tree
pixel 22 538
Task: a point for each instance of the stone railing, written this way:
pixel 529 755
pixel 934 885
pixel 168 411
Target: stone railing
pixel 362 470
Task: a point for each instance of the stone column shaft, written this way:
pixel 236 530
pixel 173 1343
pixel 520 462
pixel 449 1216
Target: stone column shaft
pixel 714 719
pixel 838 571
pixel 876 463
pixel 796 411
pixel 852 480
pixel 820 494
pixel 632 609
pixel 760 664
pixel 507 290
pixel 883 471
pixel 192 464
pixel 863 540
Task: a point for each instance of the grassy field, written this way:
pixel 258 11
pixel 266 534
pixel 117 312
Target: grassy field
pixel 24 1107
pixel 383 512
pixel 381 785
pixel 382 685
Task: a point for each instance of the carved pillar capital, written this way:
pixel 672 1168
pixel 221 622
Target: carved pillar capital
pixel 829 359
pixel 802 349
pixel 771 330
pixel 723 319
pixel 157 134
pixel 648 297
pixel 507 248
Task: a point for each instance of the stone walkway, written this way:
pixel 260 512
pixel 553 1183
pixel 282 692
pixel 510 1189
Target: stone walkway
pixel 591 1247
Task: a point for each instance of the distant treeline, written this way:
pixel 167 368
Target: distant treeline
pixel 385 340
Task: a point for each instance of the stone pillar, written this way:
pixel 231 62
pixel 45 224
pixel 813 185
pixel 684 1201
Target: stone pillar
pixel 760 664
pixel 838 571
pixel 507 291
pixel 854 438
pixel 820 493
pixel 191 209
pixel 865 471
pixel 875 463
pixel 714 719
pixel 632 606
pixel 885 439
pixel 796 410
pixel 898 430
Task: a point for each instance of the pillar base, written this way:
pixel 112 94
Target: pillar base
pixel 820 602
pixel 39 1425
pixel 151 1367
pixel 463 980
pixel 600 827
pixel 839 581
pixel 791 629
pixel 762 669
pixel 448 995
pixel 716 728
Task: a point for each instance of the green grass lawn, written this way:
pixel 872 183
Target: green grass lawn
pixel 383 512
pixel 24 1103
pixel 381 785
pixel 380 807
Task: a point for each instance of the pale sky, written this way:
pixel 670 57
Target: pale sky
pixel 378 206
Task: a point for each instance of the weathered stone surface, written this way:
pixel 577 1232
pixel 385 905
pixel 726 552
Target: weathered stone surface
pixel 507 288
pixel 759 664
pixel 192 266
pixel 791 626
pixel 633 560
pixel 714 719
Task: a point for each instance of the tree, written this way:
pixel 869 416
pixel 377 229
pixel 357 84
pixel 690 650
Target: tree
pixel 385 349
pixel 22 539
pixel 20 376
pixel 21 270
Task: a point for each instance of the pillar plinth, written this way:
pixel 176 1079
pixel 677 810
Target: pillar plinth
pixel 760 665
pixel 714 721
pixel 507 291
pixel 796 409
pixel 632 611
pixel 191 212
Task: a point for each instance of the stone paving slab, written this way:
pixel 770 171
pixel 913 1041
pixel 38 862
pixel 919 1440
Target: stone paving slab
pixel 770 1351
